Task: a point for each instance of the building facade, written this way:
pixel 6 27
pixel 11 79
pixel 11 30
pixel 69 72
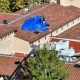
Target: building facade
pixel 67 2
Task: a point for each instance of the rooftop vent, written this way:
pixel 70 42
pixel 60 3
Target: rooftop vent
pixel 5 22
pixel 36 32
pixel 26 10
pixel 17 62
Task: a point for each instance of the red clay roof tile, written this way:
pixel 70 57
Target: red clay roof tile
pixel 73 32
pixel 74 72
pixel 6 29
pixel 7 64
pixel 7 16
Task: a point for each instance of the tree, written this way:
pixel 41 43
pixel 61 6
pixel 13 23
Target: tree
pixel 46 66
pixel 45 1
pixel 16 5
pixel 4 6
pixel 35 2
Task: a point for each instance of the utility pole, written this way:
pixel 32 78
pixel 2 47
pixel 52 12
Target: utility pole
pixel 15 73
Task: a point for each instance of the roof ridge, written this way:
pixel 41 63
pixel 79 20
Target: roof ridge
pixel 27 14
pixel 5 55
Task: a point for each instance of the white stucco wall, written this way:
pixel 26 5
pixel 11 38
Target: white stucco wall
pixel 1 78
pixel 66 26
pixel 68 2
pixel 21 46
pixel 6 44
pixel 42 40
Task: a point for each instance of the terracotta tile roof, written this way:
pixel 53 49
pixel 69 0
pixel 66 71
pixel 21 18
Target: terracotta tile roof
pixel 7 64
pixel 56 15
pixel 8 16
pixel 73 32
pixel 72 43
pixel 74 72
pixel 6 29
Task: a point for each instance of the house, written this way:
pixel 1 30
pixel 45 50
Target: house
pixel 58 24
pixel 15 40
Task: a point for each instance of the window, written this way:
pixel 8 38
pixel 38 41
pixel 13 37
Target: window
pixel 62 28
pixel 73 21
pixel 51 33
pixel 56 31
pixel 67 25
pixel 45 37
pixel 78 19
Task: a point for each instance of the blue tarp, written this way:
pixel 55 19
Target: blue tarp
pixel 35 23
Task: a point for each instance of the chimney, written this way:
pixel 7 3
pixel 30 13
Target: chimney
pixel 26 10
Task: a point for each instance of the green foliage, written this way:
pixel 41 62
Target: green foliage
pixel 35 2
pixel 45 1
pixel 4 6
pixel 46 66
pixel 16 5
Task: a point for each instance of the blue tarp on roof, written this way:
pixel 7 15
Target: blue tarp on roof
pixel 35 23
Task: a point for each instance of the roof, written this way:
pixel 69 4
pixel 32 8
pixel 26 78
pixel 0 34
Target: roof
pixel 74 72
pixel 55 15
pixel 52 12
pixel 8 65
pixel 30 36
pixel 6 29
pixel 72 33
pixel 7 16
pixel 72 43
